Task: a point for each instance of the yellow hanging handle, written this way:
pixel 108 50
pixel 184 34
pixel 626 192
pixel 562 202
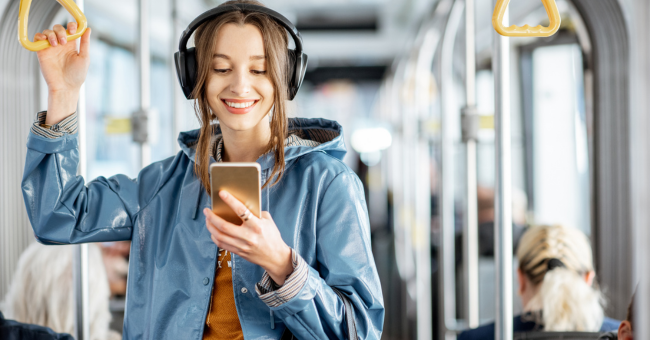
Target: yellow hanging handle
pixel 69 5
pixel 526 31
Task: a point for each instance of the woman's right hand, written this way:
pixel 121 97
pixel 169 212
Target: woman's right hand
pixel 63 68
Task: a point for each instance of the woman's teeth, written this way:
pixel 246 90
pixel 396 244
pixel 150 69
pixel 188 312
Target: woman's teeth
pixel 240 105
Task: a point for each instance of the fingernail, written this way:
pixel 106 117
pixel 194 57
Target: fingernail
pixel 223 194
pixel 63 40
pixel 205 211
pixel 53 42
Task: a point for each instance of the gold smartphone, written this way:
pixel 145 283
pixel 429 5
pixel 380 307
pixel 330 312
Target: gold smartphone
pixel 242 180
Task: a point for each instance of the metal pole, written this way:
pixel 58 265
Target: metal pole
pixel 80 279
pixel 449 112
pixel 178 98
pixel 423 243
pixel 470 130
pixel 144 59
pixel 404 260
pixel 81 116
pixel 640 159
pixel 422 153
pixel 80 252
pixel 502 192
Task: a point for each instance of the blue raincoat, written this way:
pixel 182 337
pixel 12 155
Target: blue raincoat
pixel 318 206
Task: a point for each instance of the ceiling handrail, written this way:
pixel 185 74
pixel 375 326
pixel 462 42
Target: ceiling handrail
pixel 36 46
pixel 526 31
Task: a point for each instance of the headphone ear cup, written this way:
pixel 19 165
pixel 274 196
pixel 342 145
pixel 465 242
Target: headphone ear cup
pixel 297 68
pixel 303 69
pixel 192 70
pixel 291 74
pixel 180 70
pixel 186 70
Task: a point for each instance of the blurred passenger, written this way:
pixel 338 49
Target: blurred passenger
pixel 41 292
pixel 14 330
pixel 485 205
pixel 624 331
pixel 485 197
pixel 625 328
pixel 115 255
pixel 556 285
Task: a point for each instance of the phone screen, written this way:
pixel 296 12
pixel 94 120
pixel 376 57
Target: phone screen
pixel 242 180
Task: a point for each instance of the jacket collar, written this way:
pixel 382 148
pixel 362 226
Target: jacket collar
pixel 327 133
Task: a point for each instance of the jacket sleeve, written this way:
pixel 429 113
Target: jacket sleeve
pixel 345 262
pixel 62 209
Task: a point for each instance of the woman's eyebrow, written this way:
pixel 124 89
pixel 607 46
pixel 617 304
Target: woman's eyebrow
pixel 253 57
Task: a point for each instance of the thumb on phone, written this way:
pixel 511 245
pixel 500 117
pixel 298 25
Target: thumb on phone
pixel 266 215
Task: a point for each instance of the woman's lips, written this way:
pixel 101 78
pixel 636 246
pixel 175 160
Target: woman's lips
pixel 239 111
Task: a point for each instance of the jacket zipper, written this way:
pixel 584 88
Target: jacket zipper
pixel 272 320
pixel 268 207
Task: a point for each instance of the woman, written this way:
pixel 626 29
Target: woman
pixel 191 277
pixel 556 285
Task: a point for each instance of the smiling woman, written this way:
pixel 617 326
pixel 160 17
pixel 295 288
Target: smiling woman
pixel 239 91
pixel 303 268
pixel 242 59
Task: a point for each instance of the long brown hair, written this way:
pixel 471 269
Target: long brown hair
pixel 277 64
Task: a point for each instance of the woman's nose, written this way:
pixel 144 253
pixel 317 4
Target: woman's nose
pixel 241 84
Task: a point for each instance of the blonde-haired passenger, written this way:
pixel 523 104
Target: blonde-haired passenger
pixel 556 285
pixel 41 292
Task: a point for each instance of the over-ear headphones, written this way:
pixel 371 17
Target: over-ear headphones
pixel 185 58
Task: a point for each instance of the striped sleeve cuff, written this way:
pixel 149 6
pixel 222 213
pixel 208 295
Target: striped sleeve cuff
pixel 272 294
pixel 67 125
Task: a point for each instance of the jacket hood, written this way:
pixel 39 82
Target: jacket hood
pixel 328 133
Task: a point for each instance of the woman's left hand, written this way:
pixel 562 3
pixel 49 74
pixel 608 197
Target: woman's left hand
pixel 257 240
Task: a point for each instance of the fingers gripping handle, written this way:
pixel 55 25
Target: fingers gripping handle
pixel 526 31
pixel 23 15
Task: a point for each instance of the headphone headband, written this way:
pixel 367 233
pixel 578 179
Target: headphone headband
pixel 219 10
pixel 185 59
